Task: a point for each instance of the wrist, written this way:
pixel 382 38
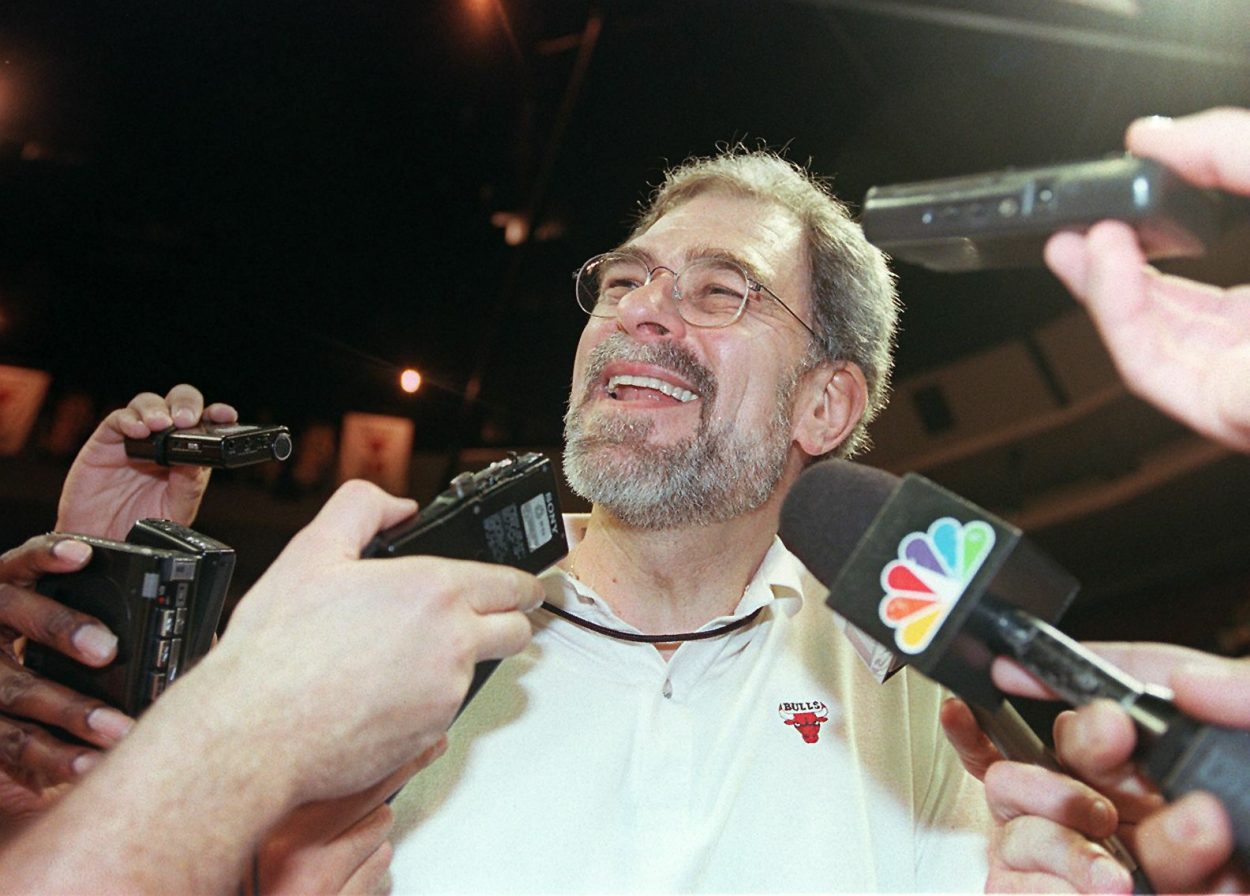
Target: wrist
pixel 248 744
pixel 198 763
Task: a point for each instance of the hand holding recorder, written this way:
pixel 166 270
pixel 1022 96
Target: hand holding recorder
pixel 105 491
pixel 1184 846
pixel 1183 345
pixel 34 763
pixel 103 495
pixel 352 669
pixel 1186 347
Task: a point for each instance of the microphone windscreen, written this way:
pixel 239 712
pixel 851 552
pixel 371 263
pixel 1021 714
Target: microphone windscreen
pixel 828 510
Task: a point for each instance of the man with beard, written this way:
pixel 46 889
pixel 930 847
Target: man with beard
pixel 689 716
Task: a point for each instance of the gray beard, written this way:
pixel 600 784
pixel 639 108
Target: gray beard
pixel 715 475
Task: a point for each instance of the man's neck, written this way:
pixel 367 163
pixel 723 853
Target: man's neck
pixel 673 580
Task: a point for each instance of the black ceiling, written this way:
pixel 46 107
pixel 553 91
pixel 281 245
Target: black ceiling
pixel 286 202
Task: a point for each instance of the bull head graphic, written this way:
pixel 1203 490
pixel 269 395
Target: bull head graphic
pixel 805 717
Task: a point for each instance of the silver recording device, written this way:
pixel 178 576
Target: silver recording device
pixel 1003 218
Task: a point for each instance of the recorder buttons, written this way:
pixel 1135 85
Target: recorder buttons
pixel 175 658
pixel 464 485
pixel 166 623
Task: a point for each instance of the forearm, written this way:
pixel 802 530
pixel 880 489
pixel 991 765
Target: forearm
pixel 178 806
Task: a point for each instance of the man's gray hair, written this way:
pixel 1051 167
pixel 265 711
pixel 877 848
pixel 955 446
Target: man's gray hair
pixel 855 304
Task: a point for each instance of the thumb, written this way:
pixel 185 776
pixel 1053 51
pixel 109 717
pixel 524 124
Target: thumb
pixel 352 516
pixel 51 553
pixel 1206 148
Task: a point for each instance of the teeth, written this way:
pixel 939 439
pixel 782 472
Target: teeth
pixel 650 382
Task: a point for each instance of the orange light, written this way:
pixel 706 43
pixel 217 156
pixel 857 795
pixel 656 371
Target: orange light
pixel 410 381
pixel 480 10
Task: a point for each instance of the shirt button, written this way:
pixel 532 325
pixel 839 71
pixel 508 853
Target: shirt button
pixel 667 690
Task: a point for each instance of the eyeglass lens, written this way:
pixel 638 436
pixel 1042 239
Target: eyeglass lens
pixel 709 292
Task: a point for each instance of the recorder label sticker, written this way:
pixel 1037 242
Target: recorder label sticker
pixel 504 538
pixel 931 573
pixel 537 526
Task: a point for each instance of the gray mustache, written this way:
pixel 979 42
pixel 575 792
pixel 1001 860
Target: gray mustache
pixel 669 355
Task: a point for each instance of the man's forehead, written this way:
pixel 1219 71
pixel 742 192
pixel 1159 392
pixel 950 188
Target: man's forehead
pixel 761 236
pixel 686 254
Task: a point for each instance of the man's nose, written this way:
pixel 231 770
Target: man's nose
pixel 651 309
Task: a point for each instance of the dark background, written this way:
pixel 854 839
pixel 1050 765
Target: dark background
pixel 286 203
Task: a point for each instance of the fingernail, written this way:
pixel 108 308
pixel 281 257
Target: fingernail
pixel 158 421
pixel 1062 725
pixel 95 641
pixel 1109 876
pixel 1103 817
pixel 109 722
pixel 85 762
pixel 538 594
pixel 69 549
pixel 1071 733
pixel 1154 121
pixel 185 417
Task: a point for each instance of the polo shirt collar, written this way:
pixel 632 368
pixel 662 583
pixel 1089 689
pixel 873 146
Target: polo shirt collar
pixel 778 581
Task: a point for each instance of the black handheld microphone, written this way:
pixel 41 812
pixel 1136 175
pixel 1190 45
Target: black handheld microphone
pixel 950 586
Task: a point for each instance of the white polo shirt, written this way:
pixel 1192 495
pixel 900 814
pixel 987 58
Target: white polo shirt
pixel 764 760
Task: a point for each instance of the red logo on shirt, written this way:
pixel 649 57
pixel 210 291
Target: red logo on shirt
pixel 805 717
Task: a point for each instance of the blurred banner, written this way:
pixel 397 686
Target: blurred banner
pixel 377 448
pixel 21 394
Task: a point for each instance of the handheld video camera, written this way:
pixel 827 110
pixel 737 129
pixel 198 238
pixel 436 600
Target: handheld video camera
pixel 161 592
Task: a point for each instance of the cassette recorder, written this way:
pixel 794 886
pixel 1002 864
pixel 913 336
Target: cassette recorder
pixel 507 513
pixel 160 592
pixel 208 597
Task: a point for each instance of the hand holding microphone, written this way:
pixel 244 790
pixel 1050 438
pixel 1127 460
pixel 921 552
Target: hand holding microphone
pixel 949 587
pixel 1186 845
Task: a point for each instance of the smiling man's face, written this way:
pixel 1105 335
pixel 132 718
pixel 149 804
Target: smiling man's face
pixel 671 424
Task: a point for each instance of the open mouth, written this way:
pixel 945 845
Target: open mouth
pixel 629 387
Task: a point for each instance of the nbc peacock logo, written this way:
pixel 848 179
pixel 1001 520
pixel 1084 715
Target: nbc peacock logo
pixel 931 573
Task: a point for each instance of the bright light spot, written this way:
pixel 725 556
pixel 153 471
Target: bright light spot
pixel 410 381
pixel 480 10
pixel 516 226
pixel 516 231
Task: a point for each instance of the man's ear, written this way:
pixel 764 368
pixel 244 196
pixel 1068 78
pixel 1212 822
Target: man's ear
pixel 832 403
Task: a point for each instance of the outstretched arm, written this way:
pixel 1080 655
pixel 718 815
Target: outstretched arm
pixel 298 703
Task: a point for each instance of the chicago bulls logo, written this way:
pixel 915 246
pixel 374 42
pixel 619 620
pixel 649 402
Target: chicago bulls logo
pixel 805 717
